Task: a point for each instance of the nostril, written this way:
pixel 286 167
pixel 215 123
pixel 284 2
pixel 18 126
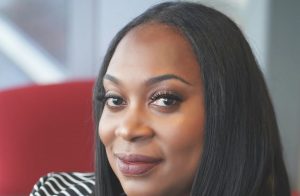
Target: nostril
pixel 132 126
pixel 134 134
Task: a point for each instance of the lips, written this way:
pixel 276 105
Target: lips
pixel 136 165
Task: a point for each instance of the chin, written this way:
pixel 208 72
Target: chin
pixel 138 191
pixel 141 192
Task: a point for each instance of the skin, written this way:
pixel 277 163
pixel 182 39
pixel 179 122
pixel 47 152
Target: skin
pixel 154 59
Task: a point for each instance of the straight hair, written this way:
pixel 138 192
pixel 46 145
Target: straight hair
pixel 242 153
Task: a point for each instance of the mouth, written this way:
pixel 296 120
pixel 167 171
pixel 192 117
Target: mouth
pixel 136 165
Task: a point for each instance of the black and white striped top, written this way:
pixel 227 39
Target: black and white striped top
pixel 65 184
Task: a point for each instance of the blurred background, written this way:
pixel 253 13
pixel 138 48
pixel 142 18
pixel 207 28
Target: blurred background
pixel 50 41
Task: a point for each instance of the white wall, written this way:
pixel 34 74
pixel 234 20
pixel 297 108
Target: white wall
pixel 284 78
pixel 112 15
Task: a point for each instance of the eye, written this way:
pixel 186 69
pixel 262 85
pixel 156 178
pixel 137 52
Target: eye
pixel 114 101
pixel 164 102
pixel 166 99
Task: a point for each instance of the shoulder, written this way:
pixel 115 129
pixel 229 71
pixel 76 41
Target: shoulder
pixel 71 184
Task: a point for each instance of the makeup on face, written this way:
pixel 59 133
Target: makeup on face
pixel 153 119
pixel 136 164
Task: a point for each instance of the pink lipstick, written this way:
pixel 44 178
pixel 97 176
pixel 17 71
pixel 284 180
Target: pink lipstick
pixel 136 165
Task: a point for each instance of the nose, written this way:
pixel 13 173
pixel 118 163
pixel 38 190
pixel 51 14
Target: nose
pixel 133 126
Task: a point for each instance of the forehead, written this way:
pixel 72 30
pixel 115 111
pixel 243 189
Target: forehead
pixel 154 33
pixel 154 49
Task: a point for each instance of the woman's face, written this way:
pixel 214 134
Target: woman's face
pixel 152 123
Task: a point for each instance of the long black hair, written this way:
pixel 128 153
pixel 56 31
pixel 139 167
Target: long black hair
pixel 242 154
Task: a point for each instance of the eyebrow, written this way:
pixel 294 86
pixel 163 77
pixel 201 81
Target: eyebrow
pixel 150 81
pixel 111 78
pixel 157 79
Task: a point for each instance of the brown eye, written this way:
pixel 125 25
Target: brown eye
pixel 114 101
pixel 165 102
pixel 165 99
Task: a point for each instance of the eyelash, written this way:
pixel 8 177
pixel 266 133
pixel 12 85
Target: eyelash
pixel 166 95
pixel 112 96
pixel 156 97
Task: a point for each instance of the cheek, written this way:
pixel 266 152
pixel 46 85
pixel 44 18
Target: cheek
pixel 181 142
pixel 183 135
pixel 107 136
pixel 105 130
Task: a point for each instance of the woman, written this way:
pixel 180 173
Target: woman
pixel 181 108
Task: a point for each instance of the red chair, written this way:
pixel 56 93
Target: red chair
pixel 44 129
pixel 295 193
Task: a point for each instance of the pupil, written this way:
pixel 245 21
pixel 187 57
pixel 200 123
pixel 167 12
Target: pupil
pixel 168 101
pixel 117 101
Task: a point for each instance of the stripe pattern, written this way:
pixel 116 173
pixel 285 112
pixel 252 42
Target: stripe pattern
pixel 65 184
